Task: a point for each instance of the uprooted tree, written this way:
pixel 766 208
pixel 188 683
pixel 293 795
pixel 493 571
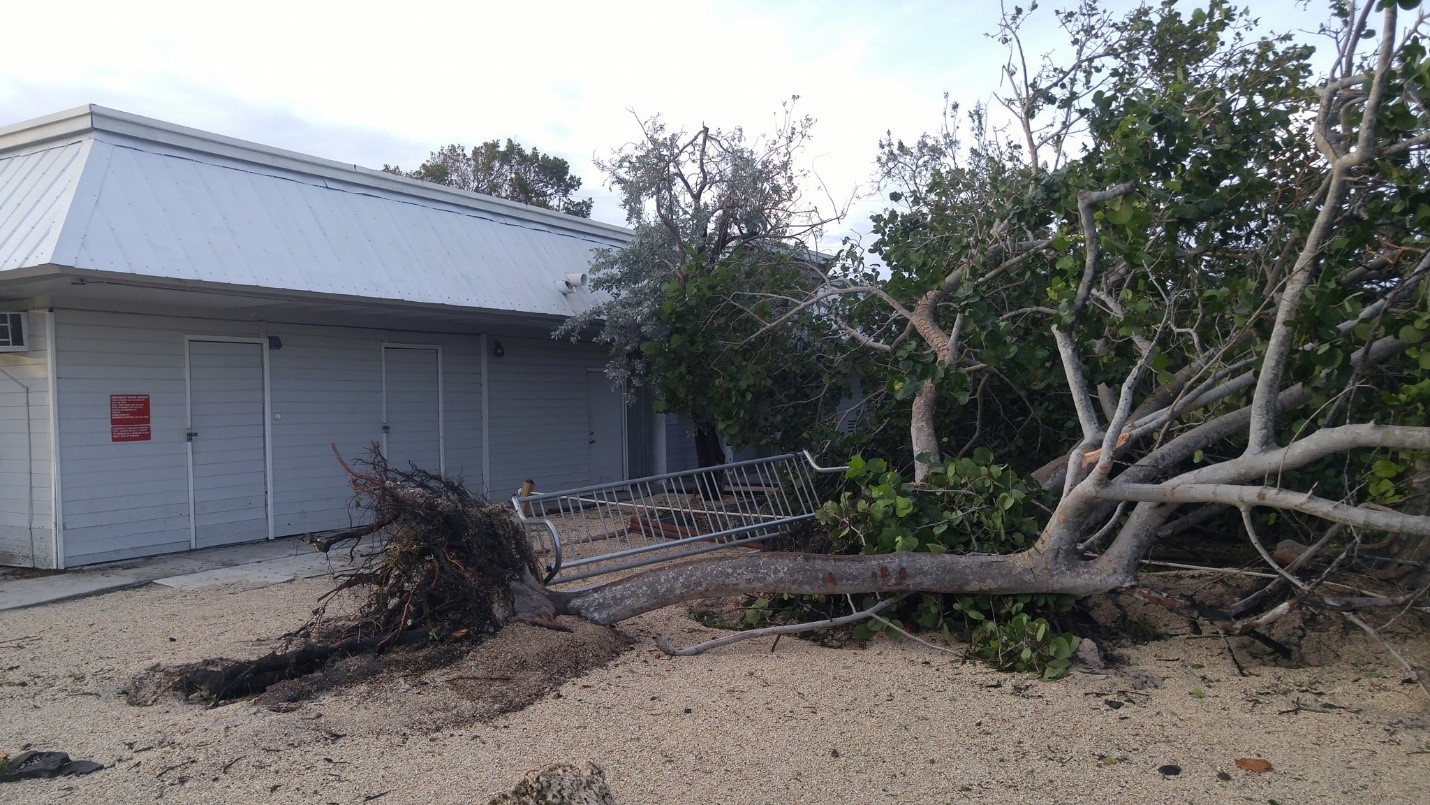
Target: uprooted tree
pixel 453 567
pixel 1183 291
pixel 1182 285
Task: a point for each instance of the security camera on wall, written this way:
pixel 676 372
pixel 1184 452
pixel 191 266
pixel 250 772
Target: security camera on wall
pixel 573 282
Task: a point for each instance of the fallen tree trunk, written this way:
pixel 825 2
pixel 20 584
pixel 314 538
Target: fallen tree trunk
pixel 819 574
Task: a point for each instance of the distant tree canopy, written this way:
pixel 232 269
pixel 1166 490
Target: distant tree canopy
pixel 506 171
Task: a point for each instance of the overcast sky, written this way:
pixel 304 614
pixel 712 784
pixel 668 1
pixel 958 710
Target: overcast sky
pixel 375 83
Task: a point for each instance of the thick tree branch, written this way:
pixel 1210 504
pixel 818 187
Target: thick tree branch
pixel 1301 452
pixel 1279 345
pixel 1087 202
pixel 922 435
pixel 1269 496
pixel 814 574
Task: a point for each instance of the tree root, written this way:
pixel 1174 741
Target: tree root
pixel 224 680
pixel 326 543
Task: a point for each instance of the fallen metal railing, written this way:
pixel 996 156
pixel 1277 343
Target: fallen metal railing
pixel 594 530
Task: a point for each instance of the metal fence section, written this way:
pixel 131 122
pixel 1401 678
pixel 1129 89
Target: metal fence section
pixel 580 533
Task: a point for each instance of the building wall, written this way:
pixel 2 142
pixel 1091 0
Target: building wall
pixel 539 414
pixel 120 499
pixel 326 394
pixel 26 466
pixel 125 499
pixel 680 452
pixel 326 391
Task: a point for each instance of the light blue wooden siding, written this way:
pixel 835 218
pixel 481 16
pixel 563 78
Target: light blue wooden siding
pixel 120 499
pixel 325 391
pixel 412 407
pixel 325 387
pixel 606 434
pixel 228 420
pixel 538 415
pixel 461 407
pixel 679 444
pixel 26 490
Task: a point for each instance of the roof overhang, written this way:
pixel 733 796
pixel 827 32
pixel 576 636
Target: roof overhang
pixel 60 287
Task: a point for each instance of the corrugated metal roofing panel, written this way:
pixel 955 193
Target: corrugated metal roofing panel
pixel 35 193
pixel 185 206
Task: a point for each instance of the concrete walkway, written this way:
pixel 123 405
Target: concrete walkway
pixel 248 566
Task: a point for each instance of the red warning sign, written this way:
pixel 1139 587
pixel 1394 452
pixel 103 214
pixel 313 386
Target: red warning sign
pixel 129 418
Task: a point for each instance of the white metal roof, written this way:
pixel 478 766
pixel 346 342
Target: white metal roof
pixel 95 190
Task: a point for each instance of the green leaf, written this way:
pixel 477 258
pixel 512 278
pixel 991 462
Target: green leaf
pixel 1120 212
pixel 903 507
pixel 1386 469
pixel 856 468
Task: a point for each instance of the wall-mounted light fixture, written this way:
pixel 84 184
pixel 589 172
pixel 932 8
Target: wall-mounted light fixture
pixel 498 350
pixel 274 342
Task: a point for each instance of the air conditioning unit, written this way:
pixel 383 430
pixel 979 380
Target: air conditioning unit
pixel 14 332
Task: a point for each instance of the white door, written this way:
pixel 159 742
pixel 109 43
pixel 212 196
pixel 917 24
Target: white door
pixel 606 427
pixel 227 451
pixel 412 407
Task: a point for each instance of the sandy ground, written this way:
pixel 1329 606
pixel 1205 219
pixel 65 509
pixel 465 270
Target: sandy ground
pixel 894 722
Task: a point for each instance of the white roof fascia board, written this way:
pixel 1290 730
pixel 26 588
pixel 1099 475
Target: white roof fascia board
pixel 39 132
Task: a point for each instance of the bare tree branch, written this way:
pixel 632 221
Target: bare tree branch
pixel 1270 496
pixel 669 648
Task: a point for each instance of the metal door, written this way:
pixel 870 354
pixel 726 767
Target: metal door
pixel 228 461
pixel 412 407
pixel 606 428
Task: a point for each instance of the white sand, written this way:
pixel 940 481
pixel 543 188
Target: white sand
pixel 896 722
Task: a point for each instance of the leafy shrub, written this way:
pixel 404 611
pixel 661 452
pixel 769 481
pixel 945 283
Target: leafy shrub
pixel 1024 644
pixel 967 505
